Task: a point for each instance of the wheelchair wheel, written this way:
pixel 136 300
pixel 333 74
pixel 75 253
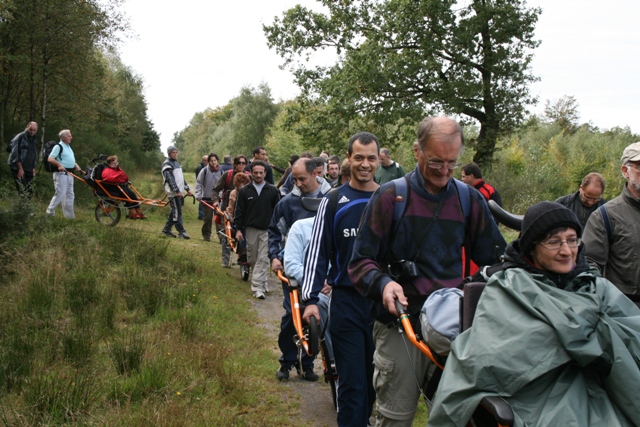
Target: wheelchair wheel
pixel 108 213
pixel 330 375
pixel 314 337
pixel 244 270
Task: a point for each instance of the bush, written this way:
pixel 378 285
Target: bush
pixel 126 352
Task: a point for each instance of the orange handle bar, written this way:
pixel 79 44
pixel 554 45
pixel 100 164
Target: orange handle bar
pixel 295 314
pixel 408 329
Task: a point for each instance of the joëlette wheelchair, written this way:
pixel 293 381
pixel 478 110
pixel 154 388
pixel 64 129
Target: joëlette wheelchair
pixel 309 338
pixel 493 410
pixel 112 199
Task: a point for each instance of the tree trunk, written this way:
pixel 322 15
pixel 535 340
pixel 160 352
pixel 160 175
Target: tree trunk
pixel 487 139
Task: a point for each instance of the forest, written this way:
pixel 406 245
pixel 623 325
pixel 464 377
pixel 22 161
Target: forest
pixel 65 72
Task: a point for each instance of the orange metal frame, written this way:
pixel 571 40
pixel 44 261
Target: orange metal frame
pixel 228 231
pixel 141 200
pixel 302 338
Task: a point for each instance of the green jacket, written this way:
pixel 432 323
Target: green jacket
pixel 559 356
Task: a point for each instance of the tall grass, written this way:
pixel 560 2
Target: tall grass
pixel 116 326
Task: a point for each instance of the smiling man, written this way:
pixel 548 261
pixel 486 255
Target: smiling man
pixel 426 241
pixel 334 233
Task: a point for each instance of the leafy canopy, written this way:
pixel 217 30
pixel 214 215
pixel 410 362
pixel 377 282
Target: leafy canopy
pixel 406 58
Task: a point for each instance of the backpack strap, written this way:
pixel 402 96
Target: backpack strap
pixel 333 200
pixel 607 222
pixel 465 202
pixel 402 197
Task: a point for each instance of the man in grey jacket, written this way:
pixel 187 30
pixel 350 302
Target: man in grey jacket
pixel 176 188
pixel 207 178
pixel 23 158
pixel 613 245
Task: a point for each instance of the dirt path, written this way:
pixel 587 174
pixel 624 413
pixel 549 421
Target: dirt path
pixel 316 407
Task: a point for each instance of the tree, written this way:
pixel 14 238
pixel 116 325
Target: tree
pixel 400 59
pixel 236 128
pixel 564 112
pixel 50 54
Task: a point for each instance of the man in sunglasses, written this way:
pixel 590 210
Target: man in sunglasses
pixel 220 197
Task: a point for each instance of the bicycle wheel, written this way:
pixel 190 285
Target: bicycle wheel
pixel 244 270
pixel 330 375
pixel 314 337
pixel 108 213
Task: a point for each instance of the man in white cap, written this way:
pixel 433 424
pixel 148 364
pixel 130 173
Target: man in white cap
pixel 612 234
pixel 176 188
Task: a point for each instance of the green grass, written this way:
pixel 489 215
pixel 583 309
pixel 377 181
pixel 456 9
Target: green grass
pixel 116 326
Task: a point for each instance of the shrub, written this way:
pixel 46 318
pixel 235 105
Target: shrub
pixel 126 352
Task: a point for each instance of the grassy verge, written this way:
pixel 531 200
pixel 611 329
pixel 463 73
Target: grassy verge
pixel 118 326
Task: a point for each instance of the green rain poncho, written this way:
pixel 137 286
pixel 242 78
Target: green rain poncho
pixel 560 357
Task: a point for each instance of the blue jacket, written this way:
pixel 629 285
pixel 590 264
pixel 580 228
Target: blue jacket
pixel 334 233
pixel 288 210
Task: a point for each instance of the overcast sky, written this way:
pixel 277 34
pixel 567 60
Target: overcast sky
pixel 194 54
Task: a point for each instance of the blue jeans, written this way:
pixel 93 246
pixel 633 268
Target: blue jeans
pixel 175 216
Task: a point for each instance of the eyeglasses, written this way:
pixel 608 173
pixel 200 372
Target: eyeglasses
pixel 634 165
pixel 554 245
pixel 591 199
pixel 439 164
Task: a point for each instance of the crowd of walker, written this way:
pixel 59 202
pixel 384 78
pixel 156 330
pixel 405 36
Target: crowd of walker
pixel 556 332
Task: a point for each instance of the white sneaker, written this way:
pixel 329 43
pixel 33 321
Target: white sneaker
pixel 258 295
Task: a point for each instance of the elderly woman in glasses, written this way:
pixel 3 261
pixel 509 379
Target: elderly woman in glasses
pixel 559 343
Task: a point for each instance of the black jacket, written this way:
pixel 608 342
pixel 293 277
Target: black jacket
pixel 255 211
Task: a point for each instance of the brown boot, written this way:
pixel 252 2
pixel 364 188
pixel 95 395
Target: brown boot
pixel 133 214
pixel 141 215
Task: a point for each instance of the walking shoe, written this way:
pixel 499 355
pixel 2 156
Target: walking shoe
pixel 183 235
pixel 207 239
pixel 258 295
pixel 168 233
pixel 307 374
pixel 282 374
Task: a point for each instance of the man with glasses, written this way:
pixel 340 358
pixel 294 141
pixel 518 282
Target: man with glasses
pixel 408 259
pixel 612 234
pixel 587 199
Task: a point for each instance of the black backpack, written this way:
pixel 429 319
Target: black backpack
pixel 46 152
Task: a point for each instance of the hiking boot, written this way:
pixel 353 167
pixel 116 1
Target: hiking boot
pixel 309 375
pixel 168 233
pixel 206 239
pixel 183 235
pixel 282 374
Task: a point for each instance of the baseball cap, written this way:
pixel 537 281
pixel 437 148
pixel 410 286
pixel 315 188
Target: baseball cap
pixel 631 153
